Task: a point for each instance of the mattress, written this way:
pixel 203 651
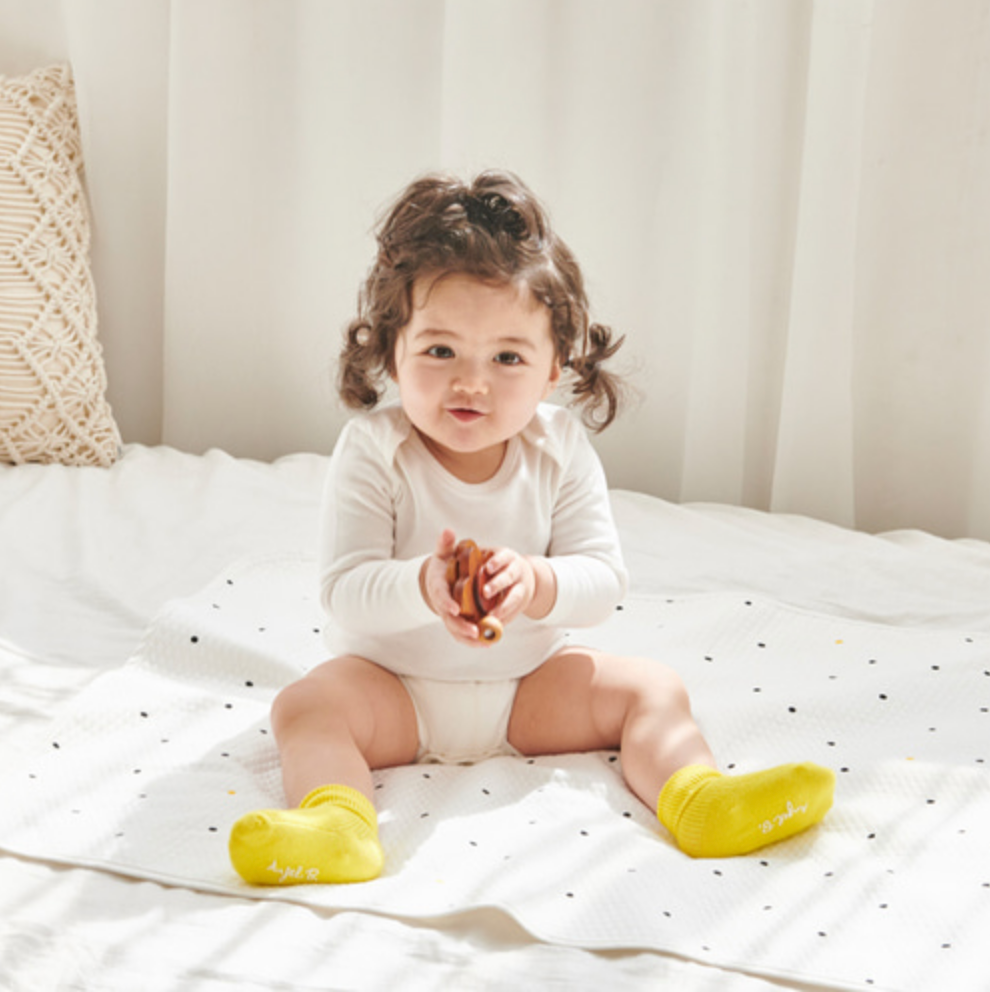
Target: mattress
pixel 791 633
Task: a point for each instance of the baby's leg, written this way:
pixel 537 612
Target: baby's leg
pixel 332 727
pixel 582 700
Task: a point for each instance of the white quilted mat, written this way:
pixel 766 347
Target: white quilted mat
pixel 145 774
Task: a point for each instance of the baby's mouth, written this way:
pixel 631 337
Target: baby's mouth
pixel 465 414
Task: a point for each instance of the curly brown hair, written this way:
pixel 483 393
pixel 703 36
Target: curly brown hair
pixel 495 229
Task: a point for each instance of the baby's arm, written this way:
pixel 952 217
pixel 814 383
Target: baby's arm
pixel 363 587
pixel 584 552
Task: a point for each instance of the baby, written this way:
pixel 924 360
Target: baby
pixel 476 311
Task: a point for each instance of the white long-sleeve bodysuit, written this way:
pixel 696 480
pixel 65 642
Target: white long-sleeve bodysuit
pixel 387 500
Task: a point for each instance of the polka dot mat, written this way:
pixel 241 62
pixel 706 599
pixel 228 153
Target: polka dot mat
pixel 144 775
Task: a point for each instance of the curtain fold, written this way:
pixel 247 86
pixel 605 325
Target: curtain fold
pixel 814 473
pixel 783 204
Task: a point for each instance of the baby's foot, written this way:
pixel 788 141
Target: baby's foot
pixel 719 816
pixel 331 837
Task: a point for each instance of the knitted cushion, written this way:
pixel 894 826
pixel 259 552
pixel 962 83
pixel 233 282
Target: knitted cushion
pixel 53 406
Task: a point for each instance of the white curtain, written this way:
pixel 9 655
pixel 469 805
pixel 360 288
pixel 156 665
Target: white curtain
pixel 784 205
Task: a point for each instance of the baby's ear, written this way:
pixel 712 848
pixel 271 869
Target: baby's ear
pixel 555 373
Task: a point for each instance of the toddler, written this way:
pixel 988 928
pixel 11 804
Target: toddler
pixel 477 312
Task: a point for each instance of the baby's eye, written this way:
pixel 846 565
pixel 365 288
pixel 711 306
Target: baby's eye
pixel 508 358
pixel 440 351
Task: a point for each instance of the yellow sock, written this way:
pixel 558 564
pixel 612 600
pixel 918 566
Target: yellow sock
pixel 331 837
pixel 712 815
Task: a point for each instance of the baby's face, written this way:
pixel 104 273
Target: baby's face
pixel 472 365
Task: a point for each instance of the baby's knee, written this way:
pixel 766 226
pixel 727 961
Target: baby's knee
pixel 328 697
pixel 661 685
pixel 289 705
pixel 305 701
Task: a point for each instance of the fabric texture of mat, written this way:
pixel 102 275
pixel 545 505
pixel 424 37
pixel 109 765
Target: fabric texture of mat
pixel 146 772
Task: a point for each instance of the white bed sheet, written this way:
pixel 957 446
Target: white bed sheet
pixel 88 556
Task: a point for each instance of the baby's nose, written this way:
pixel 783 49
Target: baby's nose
pixel 470 379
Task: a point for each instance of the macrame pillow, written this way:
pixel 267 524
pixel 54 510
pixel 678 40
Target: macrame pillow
pixel 53 406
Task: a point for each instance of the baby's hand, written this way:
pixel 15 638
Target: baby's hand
pixel 510 579
pixel 436 592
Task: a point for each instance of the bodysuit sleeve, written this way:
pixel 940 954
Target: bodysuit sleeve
pixel 359 578
pixel 584 549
